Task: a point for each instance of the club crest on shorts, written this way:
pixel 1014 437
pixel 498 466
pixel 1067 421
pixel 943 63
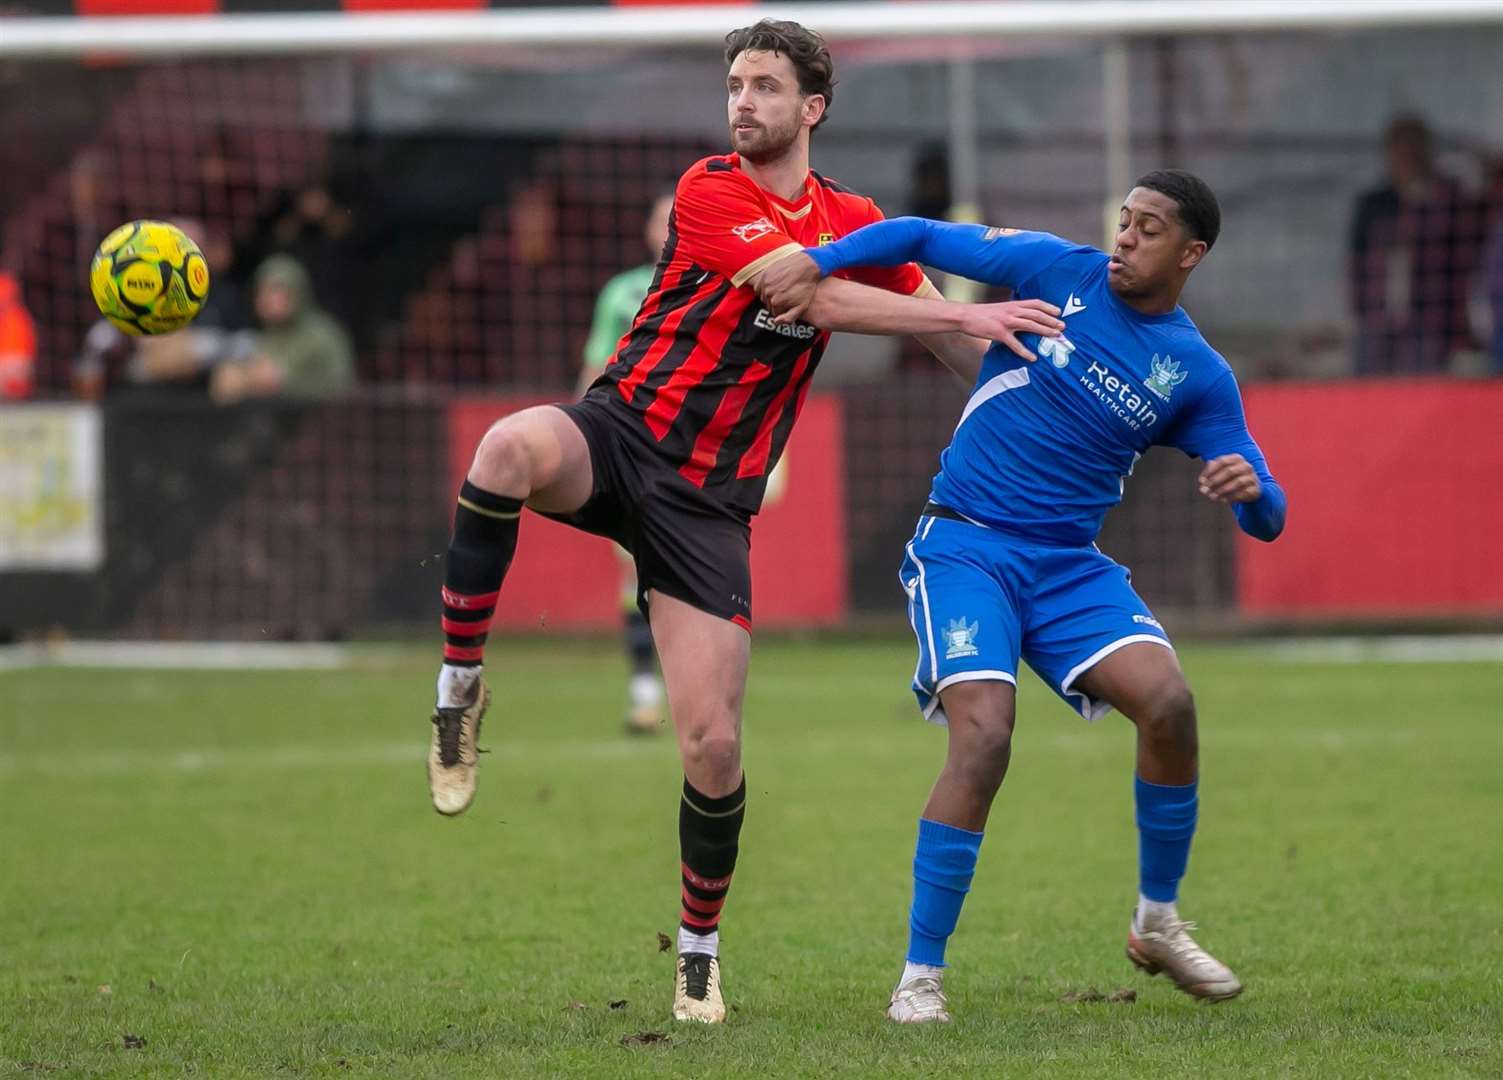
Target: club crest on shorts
pixel 960 639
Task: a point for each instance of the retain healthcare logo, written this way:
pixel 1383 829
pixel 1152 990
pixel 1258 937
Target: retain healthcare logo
pixel 1119 396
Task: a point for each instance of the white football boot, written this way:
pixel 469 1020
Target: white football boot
pixel 454 751
pixel 696 993
pixel 1166 946
pixel 920 1000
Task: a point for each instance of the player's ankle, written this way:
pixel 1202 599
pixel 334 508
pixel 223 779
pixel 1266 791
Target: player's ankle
pixel 913 971
pixel 456 684
pixel 691 942
pixel 1151 913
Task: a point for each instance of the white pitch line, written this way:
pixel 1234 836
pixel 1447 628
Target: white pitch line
pixel 309 656
pixel 177 655
pixel 282 758
pixel 1400 649
pixel 295 757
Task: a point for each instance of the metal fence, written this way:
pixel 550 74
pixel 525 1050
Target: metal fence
pixel 284 523
pixel 459 209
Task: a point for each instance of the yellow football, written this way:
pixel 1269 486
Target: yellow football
pixel 148 277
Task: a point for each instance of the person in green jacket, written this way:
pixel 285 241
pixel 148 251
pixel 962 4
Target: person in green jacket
pixel 300 352
pixel 615 310
pixel 616 307
pixel 309 349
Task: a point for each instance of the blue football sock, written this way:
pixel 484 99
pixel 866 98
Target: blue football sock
pixel 943 865
pixel 1166 825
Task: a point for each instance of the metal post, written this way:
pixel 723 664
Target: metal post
pixel 965 162
pixel 965 150
pixel 1116 123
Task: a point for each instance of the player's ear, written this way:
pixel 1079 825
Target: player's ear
pixel 814 108
pixel 1190 257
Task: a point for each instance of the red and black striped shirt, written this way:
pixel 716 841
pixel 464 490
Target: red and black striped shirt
pixel 704 374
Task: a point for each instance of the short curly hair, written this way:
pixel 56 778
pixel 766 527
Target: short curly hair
pixel 806 49
pixel 1198 210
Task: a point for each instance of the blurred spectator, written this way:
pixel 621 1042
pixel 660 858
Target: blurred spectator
pixel 931 195
pixel 1414 244
pixel 929 183
pixel 1492 276
pixel 615 310
pixel 105 361
pixel 616 306
pixel 533 214
pixel 226 307
pixel 18 342
pixel 316 229
pixel 300 352
pixel 110 361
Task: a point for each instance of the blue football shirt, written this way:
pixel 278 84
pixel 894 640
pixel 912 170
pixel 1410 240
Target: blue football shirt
pixel 1042 449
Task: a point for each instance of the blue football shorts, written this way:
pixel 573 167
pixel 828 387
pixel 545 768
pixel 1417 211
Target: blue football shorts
pixel 979 599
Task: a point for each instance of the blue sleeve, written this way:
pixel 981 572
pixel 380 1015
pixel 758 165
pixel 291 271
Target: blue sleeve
pixel 996 256
pixel 1218 426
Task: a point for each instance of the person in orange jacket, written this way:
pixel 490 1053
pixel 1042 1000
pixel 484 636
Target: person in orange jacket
pixel 18 343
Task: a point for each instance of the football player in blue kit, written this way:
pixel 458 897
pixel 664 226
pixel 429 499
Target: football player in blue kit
pixel 1003 563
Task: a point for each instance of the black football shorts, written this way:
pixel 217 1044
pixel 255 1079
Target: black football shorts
pixel 685 544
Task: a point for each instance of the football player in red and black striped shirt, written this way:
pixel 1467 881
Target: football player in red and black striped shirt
pixel 669 451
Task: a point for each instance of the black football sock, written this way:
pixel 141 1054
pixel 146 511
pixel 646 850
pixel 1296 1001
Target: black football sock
pixel 481 550
pixel 709 831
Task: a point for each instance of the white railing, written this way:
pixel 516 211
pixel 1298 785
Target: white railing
pixel 302 33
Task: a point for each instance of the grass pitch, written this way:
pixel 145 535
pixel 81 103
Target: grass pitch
pixel 238 874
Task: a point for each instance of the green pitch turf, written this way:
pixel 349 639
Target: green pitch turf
pixel 238 874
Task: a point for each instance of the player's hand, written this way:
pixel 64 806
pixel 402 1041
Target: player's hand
pixel 1003 323
pixel 787 287
pixel 1230 479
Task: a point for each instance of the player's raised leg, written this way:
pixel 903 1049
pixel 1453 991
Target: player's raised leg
pixel 538 458
pixel 980 715
pixel 704 660
pixel 1144 682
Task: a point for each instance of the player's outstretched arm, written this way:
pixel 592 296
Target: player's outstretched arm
pixel 860 309
pixel 996 256
pixel 787 288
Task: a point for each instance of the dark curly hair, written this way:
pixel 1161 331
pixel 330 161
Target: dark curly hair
pixel 806 49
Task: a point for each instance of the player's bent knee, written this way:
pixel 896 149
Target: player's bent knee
pixel 503 460
pixel 986 755
pixel 713 748
pixel 1169 717
pixel 980 716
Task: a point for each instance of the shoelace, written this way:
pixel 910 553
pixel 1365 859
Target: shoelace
pixel 449 723
pixel 697 975
pixel 1177 934
pixel 924 986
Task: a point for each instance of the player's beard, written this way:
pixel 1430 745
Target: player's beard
pixel 765 143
